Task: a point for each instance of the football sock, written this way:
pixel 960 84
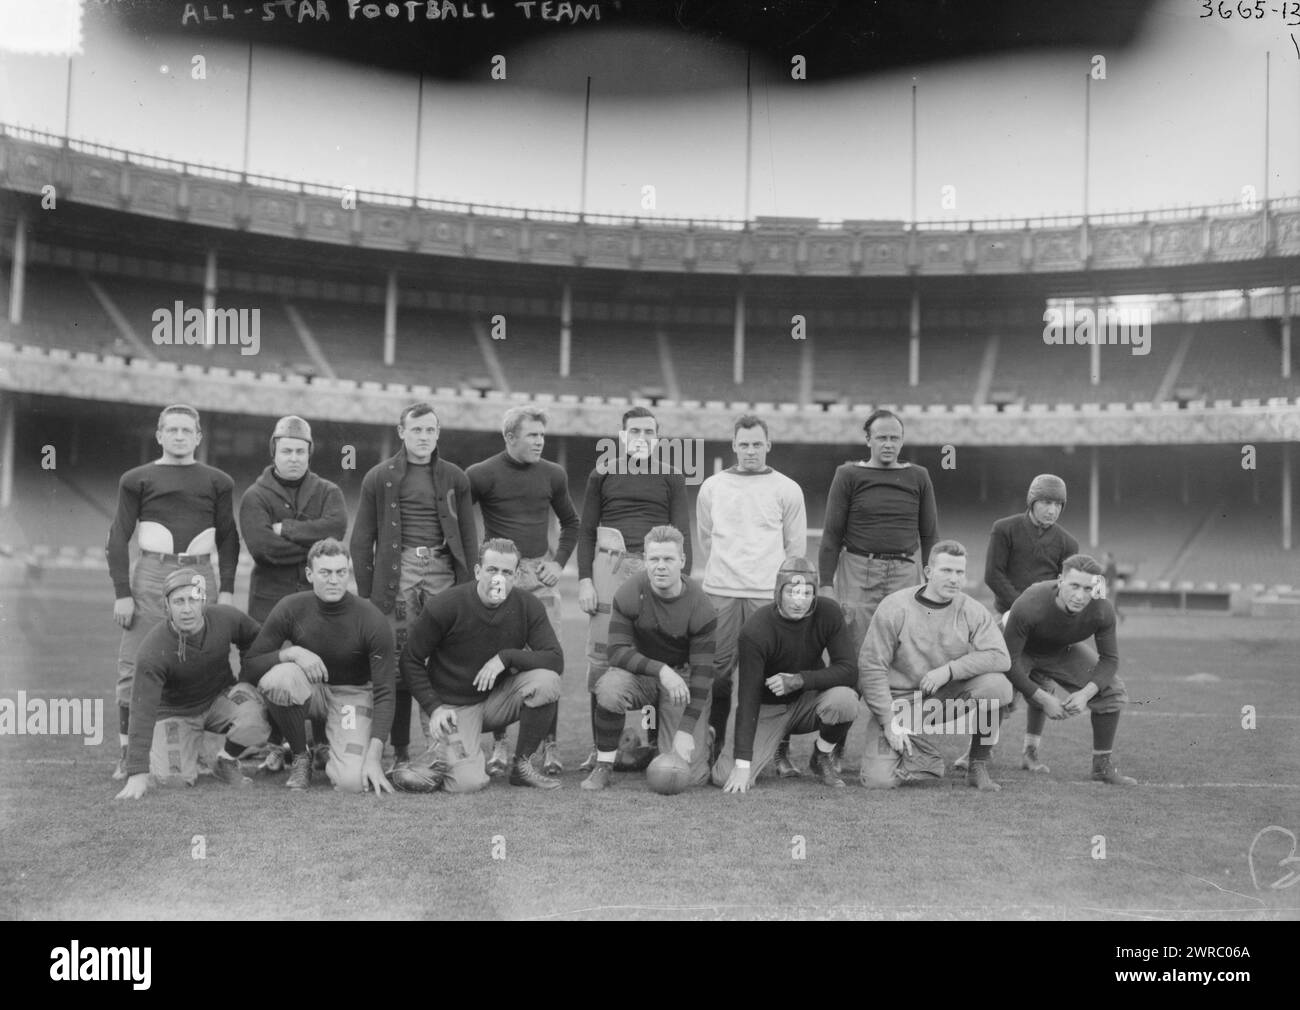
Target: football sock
pixel 233 749
pixel 554 727
pixel 292 721
pixel 498 735
pixel 123 721
pixel 720 708
pixel 1033 740
pixel 609 728
pixel 979 750
pixel 1104 725
pixel 123 740
pixel 533 723
pixel 831 735
pixel 318 731
pixel 1035 720
pixel 784 745
pixel 606 756
pixel 400 734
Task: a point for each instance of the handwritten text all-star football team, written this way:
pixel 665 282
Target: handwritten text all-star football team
pixel 467 627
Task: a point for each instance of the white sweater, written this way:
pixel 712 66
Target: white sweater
pixel 749 523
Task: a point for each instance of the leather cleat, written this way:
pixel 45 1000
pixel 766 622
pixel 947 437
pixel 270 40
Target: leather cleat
pixel 119 773
pixel 523 773
pixel 589 762
pixel 1030 763
pixel 551 763
pixel 300 772
pixel 601 776
pixel 823 766
pixel 500 759
pixel 977 776
pixel 837 758
pixel 1105 771
pixel 785 768
pixel 276 760
pixel 226 770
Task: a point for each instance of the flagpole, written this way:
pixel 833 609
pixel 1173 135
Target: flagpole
pixel 248 105
pixel 749 136
pixel 586 128
pixel 419 123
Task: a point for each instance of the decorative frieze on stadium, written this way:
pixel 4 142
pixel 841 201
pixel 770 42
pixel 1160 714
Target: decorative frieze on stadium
pixel 782 246
pixel 89 377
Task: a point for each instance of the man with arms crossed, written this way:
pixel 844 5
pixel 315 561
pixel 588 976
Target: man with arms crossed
pixel 413 538
pixel 328 655
pixel 287 510
pixel 482 656
pixel 1047 630
pixel 785 684
pixel 184 686
pixel 751 518
pixel 623 501
pixel 930 642
pixel 182 510
pixel 661 631
pixel 516 491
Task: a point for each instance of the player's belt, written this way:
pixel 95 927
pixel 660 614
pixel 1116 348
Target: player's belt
pixel 428 552
pixel 880 557
pixel 178 559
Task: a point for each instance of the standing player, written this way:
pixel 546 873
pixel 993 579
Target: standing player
pixel 661 631
pixel 933 642
pixel 1060 675
pixel 287 509
pixel 786 686
pixel 181 511
pixel 328 655
pixel 879 511
pixel 751 518
pixel 184 686
pixel 1029 547
pixel 516 491
pixel 483 656
pixel 621 503
pixel 413 537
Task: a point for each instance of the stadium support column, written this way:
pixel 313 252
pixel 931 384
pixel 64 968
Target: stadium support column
pixel 1094 497
pixel 1286 496
pixel 738 351
pixel 6 449
pixel 566 328
pixel 390 319
pixel 914 339
pixel 1094 352
pixel 18 271
pixel 210 298
pixel 1286 342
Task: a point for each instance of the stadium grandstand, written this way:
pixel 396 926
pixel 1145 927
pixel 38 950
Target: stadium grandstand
pixel 351 311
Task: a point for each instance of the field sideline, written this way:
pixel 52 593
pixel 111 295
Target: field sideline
pixel 1176 847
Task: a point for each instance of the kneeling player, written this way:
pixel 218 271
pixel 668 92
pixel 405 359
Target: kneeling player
pixel 479 657
pixel 184 686
pixel 926 646
pixel 785 687
pixel 661 627
pixel 1052 665
pixel 328 655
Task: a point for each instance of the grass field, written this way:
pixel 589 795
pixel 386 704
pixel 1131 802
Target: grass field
pixel 1176 846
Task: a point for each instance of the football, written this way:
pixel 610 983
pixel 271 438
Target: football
pixel 668 774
